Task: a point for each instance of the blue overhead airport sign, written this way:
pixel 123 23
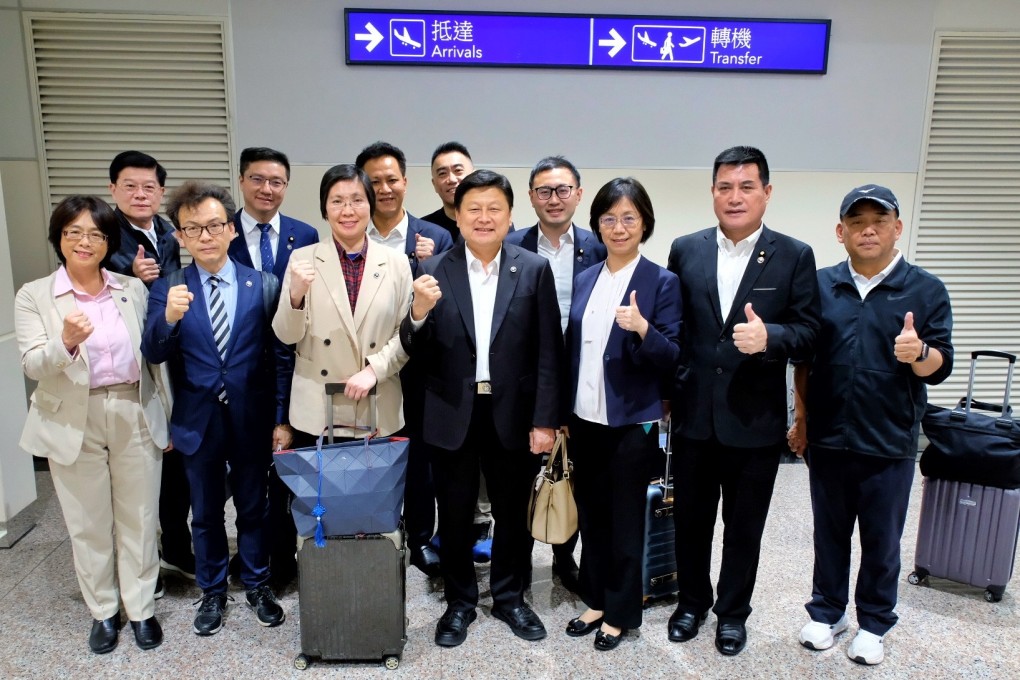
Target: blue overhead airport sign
pixel 433 38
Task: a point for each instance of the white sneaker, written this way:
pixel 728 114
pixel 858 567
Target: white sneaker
pixel 816 635
pixel 866 648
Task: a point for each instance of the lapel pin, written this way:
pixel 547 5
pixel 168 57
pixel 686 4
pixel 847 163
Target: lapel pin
pixel 123 299
pixel 376 275
pixel 290 247
pixel 248 283
pixel 291 238
pixel 513 270
pixel 761 256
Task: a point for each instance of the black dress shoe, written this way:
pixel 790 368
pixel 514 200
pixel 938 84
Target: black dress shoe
pixel 605 642
pixel 148 633
pixel 522 621
pixel 578 628
pixel 568 573
pixel 730 638
pixel 683 626
pixel 452 627
pixel 426 560
pixel 103 638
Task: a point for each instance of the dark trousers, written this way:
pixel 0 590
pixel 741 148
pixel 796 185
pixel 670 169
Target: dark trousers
pixel 874 492
pixel 419 492
pixel 174 506
pixel 508 475
pixel 704 471
pixel 610 486
pixel 206 469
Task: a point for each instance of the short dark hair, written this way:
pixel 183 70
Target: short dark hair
pixel 102 214
pixel 616 189
pixel 253 154
pixel 742 155
pixel 193 193
pixel 136 159
pixel 551 163
pixel 342 173
pixel 482 179
pixel 448 147
pixel 380 150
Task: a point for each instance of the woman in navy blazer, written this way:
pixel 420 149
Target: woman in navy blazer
pixel 623 345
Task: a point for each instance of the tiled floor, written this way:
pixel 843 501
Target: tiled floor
pixel 946 630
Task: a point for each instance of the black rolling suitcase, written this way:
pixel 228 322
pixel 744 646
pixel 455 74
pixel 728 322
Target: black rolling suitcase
pixel 351 593
pixel 658 568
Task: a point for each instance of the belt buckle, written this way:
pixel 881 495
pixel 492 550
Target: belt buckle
pixel 484 387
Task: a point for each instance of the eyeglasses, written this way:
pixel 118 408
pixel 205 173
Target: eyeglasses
pixel 562 191
pixel 214 229
pixel 258 180
pixel 90 236
pixel 357 202
pixel 610 221
pixel 147 189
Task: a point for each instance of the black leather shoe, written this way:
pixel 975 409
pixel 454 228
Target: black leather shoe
pixel 683 626
pixel 568 573
pixel 452 627
pixel 730 638
pixel 103 638
pixel 426 560
pixel 148 633
pixel 578 628
pixel 522 621
pixel 605 642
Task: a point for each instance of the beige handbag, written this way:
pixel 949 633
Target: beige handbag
pixel 552 509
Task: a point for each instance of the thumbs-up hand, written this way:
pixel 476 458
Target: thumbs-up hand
pixel 424 247
pixel 628 317
pixel 751 337
pixel 907 345
pixel 178 300
pixel 144 268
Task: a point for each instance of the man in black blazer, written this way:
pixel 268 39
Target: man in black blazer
pixel 485 324
pixel 555 191
pixel 750 300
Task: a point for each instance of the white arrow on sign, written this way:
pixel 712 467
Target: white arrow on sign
pixel 373 37
pixel 616 42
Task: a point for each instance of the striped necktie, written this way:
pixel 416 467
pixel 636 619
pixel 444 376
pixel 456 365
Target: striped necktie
pixel 266 248
pixel 220 325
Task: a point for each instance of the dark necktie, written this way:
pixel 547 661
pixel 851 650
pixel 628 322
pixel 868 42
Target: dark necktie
pixel 266 248
pixel 220 325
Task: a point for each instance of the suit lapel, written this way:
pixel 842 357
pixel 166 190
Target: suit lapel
pixel 65 304
pixel 371 282
pixel 509 274
pixel 763 250
pixel 709 254
pixel 284 246
pixel 198 310
pixel 455 269
pixel 239 246
pixel 130 317
pixel 247 283
pixel 327 265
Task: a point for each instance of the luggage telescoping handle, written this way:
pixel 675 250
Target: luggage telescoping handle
pixel 971 401
pixel 333 389
pixel 669 453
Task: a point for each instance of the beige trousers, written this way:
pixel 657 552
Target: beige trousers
pixel 110 499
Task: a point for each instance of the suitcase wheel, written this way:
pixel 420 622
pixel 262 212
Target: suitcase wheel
pixel 301 662
pixel 993 596
pixel 917 576
pixel 391 663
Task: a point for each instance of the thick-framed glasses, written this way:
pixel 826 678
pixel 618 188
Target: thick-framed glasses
pixel 357 202
pixel 610 221
pixel 96 237
pixel 214 229
pixel 147 189
pixel 275 183
pixel 563 191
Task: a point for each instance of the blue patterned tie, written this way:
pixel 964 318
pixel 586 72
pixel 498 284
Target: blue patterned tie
pixel 220 325
pixel 266 248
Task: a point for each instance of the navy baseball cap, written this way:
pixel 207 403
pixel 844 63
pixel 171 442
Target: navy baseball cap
pixel 869 192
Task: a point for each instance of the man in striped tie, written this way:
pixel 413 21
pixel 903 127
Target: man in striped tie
pixel 230 384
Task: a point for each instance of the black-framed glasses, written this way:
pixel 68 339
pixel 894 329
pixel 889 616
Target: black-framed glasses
pixel 274 183
pixel 563 191
pixel 214 229
pixel 610 221
pixel 90 236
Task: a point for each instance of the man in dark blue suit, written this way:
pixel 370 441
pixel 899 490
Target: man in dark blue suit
pixel 555 191
pixel 485 325
pixel 265 240
pixel 229 386
pixel 750 301
pixel 418 240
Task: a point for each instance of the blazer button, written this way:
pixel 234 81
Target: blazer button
pixel 718 371
pixel 223 371
pixel 722 338
pixel 371 345
pixel 326 342
pixel 606 357
pixel 324 372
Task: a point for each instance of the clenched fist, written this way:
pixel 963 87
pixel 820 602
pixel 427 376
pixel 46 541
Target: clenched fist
pixel 178 299
pixel 426 295
pixel 77 328
pixel 302 273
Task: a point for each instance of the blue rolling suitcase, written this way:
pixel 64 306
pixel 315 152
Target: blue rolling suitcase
pixel 658 570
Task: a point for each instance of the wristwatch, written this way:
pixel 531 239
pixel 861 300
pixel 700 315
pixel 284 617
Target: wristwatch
pixel 924 352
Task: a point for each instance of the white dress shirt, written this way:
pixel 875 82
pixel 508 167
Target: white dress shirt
pixel 396 239
pixel 596 325
pixel 253 236
pixel 561 260
pixel 150 234
pixel 866 285
pixel 483 281
pixel 731 263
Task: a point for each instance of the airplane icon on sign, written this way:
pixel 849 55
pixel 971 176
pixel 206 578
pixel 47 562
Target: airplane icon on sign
pixel 405 38
pixel 645 39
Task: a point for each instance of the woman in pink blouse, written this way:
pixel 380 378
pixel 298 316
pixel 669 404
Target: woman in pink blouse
pixel 99 415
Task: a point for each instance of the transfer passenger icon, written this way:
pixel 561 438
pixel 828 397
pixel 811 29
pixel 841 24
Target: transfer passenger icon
pixel 681 44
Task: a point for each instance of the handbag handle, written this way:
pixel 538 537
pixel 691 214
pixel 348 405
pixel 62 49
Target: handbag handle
pixel 559 448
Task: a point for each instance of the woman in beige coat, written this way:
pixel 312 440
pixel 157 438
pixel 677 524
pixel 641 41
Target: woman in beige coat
pixel 99 415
